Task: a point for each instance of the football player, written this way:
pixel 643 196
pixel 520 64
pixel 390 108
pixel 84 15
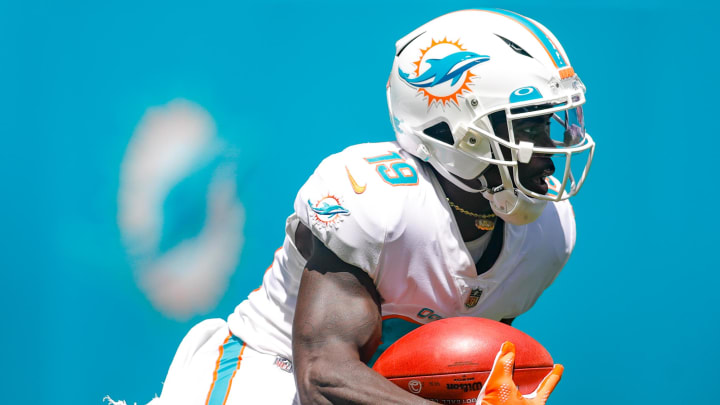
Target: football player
pixel 465 214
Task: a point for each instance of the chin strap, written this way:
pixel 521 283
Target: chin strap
pixel 513 206
pixel 508 203
pixel 456 181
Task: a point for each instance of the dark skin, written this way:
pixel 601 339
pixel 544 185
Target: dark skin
pixel 338 323
pixel 535 130
pixel 337 328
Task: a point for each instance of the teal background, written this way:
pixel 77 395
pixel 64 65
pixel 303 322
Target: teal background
pixel 633 317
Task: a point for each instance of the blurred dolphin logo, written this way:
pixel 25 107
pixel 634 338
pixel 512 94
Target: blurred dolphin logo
pixel 178 210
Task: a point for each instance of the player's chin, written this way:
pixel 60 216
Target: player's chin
pixel 536 184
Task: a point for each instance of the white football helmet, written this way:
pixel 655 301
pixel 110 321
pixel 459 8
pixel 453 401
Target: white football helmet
pixel 456 70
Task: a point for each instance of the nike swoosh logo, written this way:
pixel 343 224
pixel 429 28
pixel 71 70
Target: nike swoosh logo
pixel 358 189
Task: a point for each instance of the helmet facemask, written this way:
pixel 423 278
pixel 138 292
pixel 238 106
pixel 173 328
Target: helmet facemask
pixel 464 69
pixel 530 142
pixel 551 131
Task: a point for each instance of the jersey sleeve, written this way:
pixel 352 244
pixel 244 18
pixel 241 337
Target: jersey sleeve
pixel 339 206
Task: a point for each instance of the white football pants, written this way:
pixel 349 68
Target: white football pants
pixel 214 367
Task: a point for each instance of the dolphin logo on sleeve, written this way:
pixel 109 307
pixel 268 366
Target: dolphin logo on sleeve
pixel 329 210
pixel 448 68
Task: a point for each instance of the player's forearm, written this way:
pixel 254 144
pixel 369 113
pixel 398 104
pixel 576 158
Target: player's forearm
pixel 349 382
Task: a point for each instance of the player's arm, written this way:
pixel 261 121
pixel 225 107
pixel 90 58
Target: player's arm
pixel 337 328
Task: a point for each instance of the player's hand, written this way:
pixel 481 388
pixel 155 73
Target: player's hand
pixel 500 389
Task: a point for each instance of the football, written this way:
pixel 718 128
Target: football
pixel 449 360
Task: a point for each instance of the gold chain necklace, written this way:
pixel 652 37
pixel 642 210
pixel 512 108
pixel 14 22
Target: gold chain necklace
pixel 485 222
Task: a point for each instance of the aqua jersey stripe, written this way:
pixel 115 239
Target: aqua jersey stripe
pixel 554 52
pixel 228 365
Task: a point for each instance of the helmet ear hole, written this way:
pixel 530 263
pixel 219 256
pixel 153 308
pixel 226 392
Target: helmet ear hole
pixel 440 131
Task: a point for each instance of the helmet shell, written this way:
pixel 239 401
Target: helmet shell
pixel 459 68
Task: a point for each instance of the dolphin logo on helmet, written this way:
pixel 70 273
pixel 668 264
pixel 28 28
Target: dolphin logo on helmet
pixel 445 69
pixel 530 77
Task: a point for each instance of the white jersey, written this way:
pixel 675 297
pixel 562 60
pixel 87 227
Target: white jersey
pixel 378 208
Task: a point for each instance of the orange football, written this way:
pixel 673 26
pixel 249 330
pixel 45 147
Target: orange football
pixel 449 360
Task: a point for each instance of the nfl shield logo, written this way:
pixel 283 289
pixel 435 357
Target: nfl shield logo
pixel 474 298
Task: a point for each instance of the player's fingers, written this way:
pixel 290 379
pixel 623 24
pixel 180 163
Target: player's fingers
pixel 504 363
pixel 548 383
